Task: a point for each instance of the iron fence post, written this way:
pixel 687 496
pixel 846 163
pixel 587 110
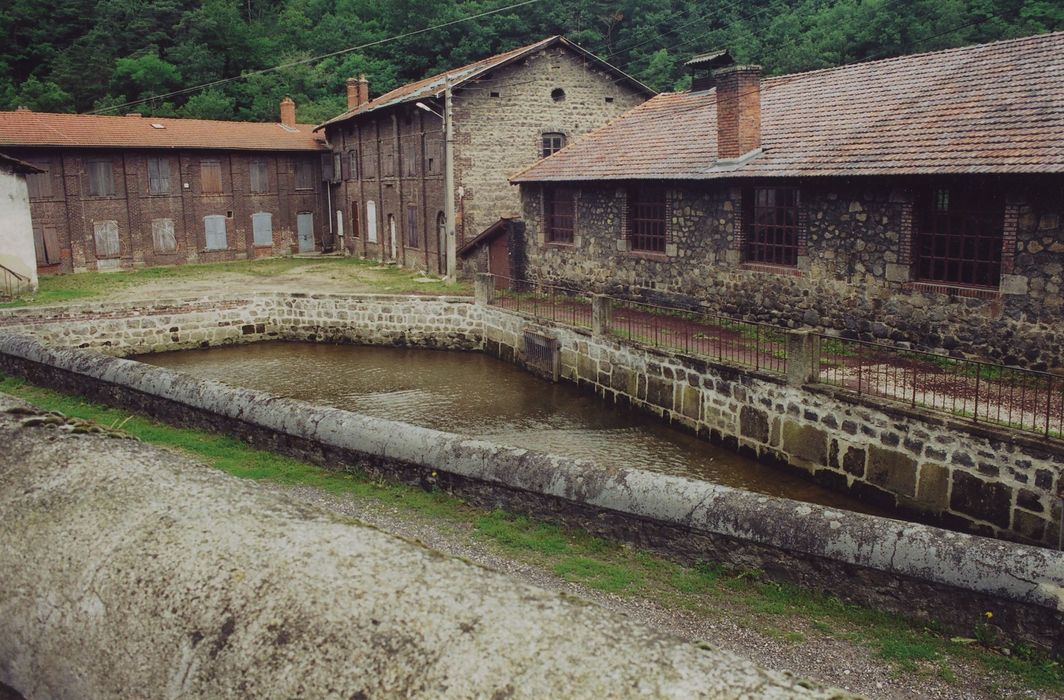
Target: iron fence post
pixel 601 315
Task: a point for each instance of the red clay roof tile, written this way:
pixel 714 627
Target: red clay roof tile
pixel 992 108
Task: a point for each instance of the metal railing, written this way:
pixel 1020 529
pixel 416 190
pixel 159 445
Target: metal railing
pixel 551 302
pixel 983 392
pixel 697 333
pixel 14 283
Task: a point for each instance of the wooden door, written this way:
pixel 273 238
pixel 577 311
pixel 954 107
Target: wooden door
pixel 499 257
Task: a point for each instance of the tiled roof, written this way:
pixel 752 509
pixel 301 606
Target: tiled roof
pixel 26 128
pixel 433 86
pixel 992 108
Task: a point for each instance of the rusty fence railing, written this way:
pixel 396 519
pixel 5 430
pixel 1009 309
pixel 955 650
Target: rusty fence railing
pixel 556 303
pixel 720 338
pixel 982 392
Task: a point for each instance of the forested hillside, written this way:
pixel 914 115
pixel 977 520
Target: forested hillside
pixel 83 55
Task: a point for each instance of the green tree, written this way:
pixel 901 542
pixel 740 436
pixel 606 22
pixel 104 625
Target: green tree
pixel 43 96
pixel 209 104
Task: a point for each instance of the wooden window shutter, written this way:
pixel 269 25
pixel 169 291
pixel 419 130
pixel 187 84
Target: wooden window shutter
pixel 101 178
pixel 40 184
pixel 106 237
pixel 260 177
pixel 162 235
pixel 158 176
pixel 210 177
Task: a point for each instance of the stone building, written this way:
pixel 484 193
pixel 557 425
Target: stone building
pixel 132 191
pixel 18 267
pixel 508 111
pixel 917 199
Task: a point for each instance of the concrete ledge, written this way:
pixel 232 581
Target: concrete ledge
pixel 913 568
pixel 151 576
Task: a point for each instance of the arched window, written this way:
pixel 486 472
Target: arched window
pixel 553 142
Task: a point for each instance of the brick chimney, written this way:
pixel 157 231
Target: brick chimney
pixel 352 93
pixel 363 89
pixel 738 111
pixel 288 112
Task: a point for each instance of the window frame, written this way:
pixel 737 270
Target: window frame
pixel 413 235
pixel 156 226
pixel 304 175
pixel 102 226
pixel 156 178
pixel 34 181
pixel 960 232
pixel 641 201
pixel 551 142
pixel 207 232
pixel 255 218
pixel 46 245
pixel 262 167
pixel 772 242
pixel 556 233
pixel 352 165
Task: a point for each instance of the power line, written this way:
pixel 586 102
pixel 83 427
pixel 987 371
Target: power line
pixel 312 59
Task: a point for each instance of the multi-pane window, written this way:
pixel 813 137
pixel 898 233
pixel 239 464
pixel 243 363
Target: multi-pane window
pixel 211 176
pixel 262 228
pixel 369 161
pixel 158 176
pixel 560 213
pixel 412 237
pixel 260 177
pixel 552 143
pixel 958 235
pixel 772 226
pixel 304 174
pixel 46 242
pixel 162 235
pixel 433 155
pixel 214 229
pixel 40 184
pixel 101 178
pixel 646 219
pixel 352 165
pixel 105 235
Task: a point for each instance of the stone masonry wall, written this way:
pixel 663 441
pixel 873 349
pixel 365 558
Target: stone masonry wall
pixel 853 276
pixel 934 469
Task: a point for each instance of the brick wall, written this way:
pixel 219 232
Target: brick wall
pixel 73 213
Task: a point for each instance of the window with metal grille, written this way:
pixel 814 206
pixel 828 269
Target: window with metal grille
pixel 958 235
pixel 105 235
pixel 260 177
pixel 412 237
pixel 210 177
pixel 162 235
pixel 304 174
pixel 101 178
pixel 560 214
pixel 40 184
pixel 646 219
pixel 214 228
pixel 552 143
pixel 158 176
pixel 771 226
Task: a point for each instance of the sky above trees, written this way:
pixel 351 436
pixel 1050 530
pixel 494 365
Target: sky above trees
pixel 85 55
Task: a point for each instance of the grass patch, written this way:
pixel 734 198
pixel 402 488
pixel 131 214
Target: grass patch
pixel 364 275
pixel 577 556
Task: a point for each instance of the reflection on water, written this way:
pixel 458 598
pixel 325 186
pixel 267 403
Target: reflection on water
pixel 477 395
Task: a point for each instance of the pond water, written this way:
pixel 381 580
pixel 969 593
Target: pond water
pixel 477 395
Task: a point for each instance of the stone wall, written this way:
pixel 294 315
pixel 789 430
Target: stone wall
pixel 854 275
pixel 926 466
pixel 910 568
pixel 239 592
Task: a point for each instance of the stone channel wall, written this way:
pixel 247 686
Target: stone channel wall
pixel 928 467
pixel 905 567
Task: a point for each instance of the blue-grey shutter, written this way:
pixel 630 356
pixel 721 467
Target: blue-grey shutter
pixel 106 238
pixel 262 228
pixel 215 228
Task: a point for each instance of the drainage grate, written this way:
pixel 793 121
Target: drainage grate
pixel 541 354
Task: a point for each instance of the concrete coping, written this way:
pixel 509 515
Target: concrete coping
pixel 1006 570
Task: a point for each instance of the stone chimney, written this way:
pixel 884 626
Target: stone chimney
pixel 738 111
pixel 288 112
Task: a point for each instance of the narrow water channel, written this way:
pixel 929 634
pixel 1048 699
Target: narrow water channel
pixel 477 395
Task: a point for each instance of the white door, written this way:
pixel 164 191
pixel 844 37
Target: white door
pixel 371 222
pixel 305 230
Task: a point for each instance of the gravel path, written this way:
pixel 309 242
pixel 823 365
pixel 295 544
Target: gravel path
pixel 837 662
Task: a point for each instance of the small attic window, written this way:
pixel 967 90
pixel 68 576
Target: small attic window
pixel 157 125
pixel 609 100
pixel 493 93
pixel 557 94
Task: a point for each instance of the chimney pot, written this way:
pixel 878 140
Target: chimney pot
pixel 738 111
pixel 288 112
pixel 352 93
